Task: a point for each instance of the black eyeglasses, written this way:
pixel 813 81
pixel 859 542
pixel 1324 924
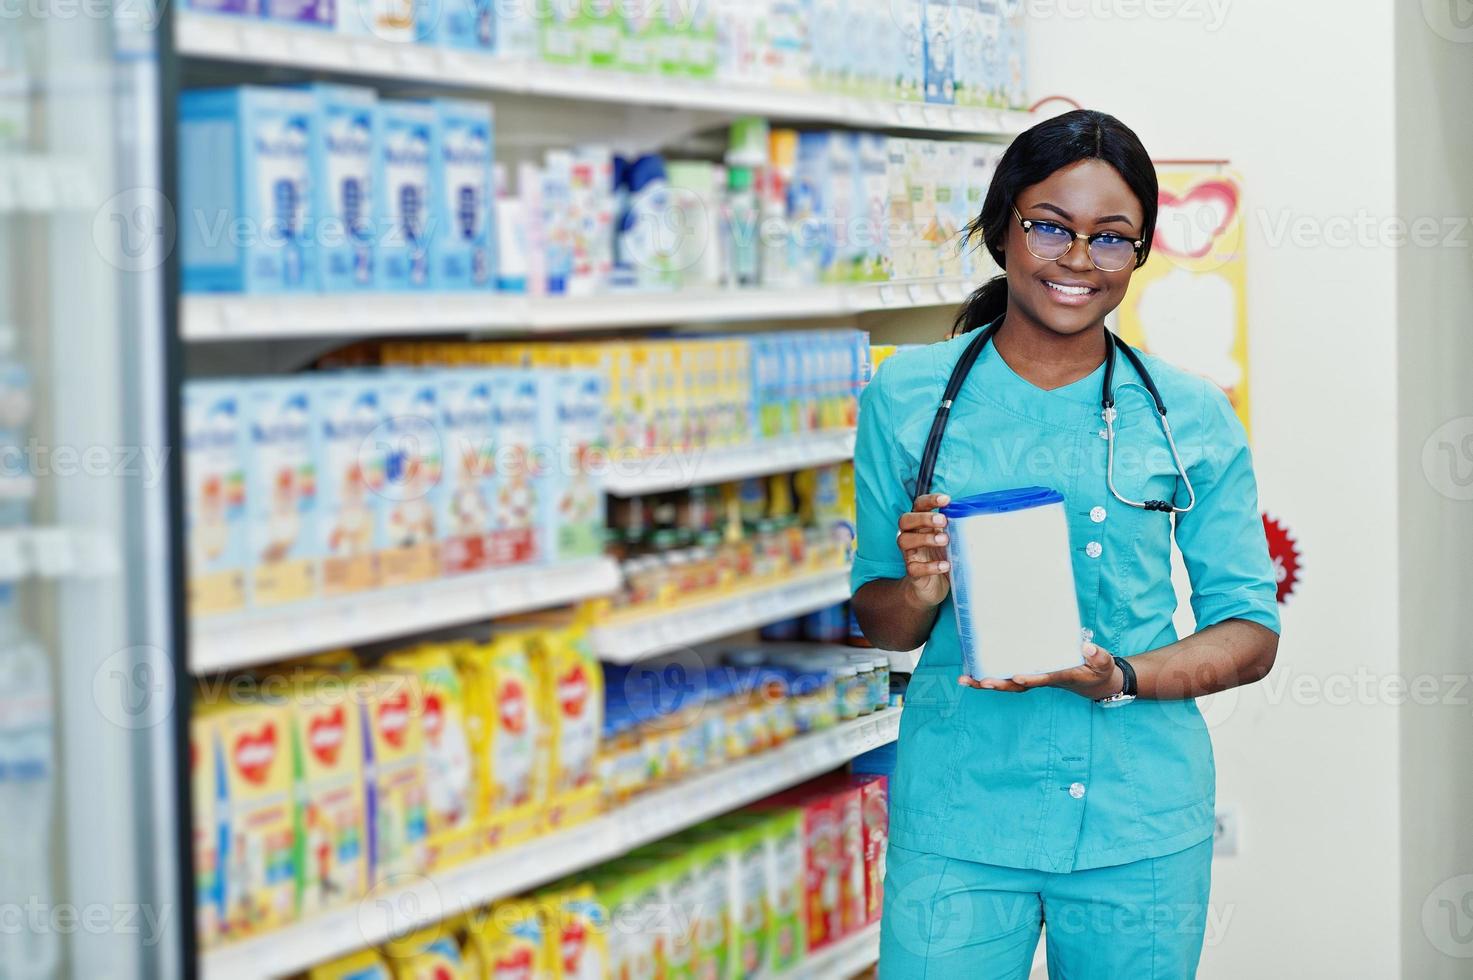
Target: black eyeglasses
pixel 1110 251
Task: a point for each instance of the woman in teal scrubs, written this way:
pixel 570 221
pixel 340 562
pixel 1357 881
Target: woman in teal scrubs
pixel 1054 798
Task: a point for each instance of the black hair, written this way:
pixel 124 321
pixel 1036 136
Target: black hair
pixel 1037 153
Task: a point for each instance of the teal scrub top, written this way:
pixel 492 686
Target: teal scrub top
pixel 1046 779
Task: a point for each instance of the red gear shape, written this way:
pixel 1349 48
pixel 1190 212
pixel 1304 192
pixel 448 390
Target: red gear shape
pixel 1284 550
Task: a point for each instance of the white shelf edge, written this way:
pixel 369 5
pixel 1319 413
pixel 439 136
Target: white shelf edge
pixel 679 471
pixel 207 317
pixel 227 38
pixel 699 622
pixel 430 898
pixel 252 637
pixel 842 959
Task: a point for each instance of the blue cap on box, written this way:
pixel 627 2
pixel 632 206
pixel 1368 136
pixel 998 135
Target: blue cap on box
pixel 1002 501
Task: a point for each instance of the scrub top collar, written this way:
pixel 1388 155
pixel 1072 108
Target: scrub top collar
pixel 1068 407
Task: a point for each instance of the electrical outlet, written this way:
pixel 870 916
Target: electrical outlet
pixel 1225 832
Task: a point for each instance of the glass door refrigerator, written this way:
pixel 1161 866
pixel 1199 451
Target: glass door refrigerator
pixel 90 860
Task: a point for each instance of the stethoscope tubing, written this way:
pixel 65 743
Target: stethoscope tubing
pixel 1108 413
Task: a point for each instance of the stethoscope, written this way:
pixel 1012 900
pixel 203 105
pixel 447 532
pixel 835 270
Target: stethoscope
pixel 1107 412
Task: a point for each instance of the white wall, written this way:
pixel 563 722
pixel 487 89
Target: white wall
pixel 1434 83
pixel 1300 97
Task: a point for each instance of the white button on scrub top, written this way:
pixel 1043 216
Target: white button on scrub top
pixel 1097 515
pixel 1077 790
pixel 1093 549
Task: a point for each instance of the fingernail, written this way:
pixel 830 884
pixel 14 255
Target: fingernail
pixel 938 520
pixel 943 500
pixel 944 566
pixel 940 539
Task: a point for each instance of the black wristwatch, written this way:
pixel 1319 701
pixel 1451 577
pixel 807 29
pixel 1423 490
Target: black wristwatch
pixel 1127 690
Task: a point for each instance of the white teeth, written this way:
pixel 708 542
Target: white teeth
pixel 1069 290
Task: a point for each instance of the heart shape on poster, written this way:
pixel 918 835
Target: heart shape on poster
pixel 1187 225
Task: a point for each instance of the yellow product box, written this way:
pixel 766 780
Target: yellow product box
pixel 572 689
pixel 332 806
pixel 256 809
pixel 393 714
pixel 509 942
pixel 575 930
pixel 364 965
pixel 432 954
pixel 205 789
pixel 504 721
pixel 449 775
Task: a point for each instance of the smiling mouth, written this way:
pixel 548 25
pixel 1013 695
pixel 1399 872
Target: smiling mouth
pixel 1064 289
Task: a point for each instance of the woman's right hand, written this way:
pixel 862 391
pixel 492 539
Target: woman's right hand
pixel 922 540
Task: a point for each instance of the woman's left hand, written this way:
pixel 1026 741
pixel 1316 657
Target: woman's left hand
pixel 1098 677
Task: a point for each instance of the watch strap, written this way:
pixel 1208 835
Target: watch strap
pixel 1128 672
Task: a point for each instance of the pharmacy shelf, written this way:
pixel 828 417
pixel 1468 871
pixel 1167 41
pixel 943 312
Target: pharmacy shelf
pixel 842 960
pixel 224 38
pixel 416 901
pixel 236 317
pixel 678 471
pixel 628 638
pixel 235 640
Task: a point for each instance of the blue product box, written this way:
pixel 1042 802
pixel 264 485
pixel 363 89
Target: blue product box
pixel 345 161
pixel 1014 54
pixel 811 205
pixel 575 428
pixel 244 212
pixel 464 256
pixel 940 25
pixel 469 25
pixel 909 49
pixel 409 137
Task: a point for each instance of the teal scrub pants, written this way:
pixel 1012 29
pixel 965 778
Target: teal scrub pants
pixel 946 918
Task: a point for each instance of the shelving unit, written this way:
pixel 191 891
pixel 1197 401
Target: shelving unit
pixel 636 637
pixel 235 317
pixel 843 959
pixel 678 471
pixel 225 38
pixel 419 900
pixel 233 641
